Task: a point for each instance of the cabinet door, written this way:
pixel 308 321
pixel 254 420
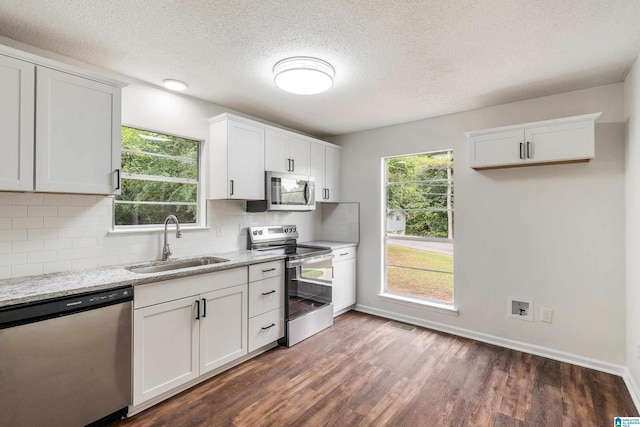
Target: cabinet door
pixel 165 348
pixel 276 152
pixel 332 173
pixel 17 83
pixel 223 327
pixel 77 134
pixel 299 155
pixel 497 149
pixel 344 284
pixel 316 169
pixel 560 142
pixel 245 161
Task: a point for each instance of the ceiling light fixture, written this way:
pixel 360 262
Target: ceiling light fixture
pixel 303 75
pixel 172 84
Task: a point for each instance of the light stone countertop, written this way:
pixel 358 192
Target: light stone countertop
pixel 28 289
pixel 330 244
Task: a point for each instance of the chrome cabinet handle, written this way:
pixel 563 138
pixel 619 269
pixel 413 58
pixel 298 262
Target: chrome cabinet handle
pixel 264 328
pixel 197 309
pixel 117 179
pixel 328 194
pixel 293 165
pixel 232 189
pixel 268 270
pixel 273 291
pixel 346 253
pixel 520 151
pixel 204 307
pixel 288 165
pixel 528 150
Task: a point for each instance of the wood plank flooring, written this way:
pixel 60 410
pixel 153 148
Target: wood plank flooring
pixel 364 371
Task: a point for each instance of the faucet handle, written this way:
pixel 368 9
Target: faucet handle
pixel 178 234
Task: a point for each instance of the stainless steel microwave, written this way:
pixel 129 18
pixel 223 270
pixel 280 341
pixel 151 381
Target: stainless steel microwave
pixel 286 192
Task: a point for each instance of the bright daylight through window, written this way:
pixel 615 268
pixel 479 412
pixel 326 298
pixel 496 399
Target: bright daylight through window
pixel 419 226
pixel 159 178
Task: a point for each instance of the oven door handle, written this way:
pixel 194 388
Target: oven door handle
pixel 328 284
pixel 307 260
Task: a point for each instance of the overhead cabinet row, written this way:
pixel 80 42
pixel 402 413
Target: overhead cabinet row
pixel 241 150
pixel 565 140
pixel 60 129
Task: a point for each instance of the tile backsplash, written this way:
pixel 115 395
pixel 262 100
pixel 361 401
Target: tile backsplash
pixel 47 233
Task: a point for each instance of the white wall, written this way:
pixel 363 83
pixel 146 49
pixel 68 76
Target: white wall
pixel 552 234
pixel 632 198
pixel 46 233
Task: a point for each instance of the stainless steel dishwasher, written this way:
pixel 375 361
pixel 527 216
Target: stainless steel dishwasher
pixel 66 362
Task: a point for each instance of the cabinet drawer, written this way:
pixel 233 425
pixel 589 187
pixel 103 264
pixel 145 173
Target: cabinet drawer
pixel 266 295
pixel 344 254
pixel 266 328
pixel 266 270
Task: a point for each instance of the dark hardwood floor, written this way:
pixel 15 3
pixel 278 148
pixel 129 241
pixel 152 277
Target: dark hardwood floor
pixel 365 371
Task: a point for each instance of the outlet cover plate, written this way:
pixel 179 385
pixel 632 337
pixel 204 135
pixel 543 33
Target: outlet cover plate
pixel 546 315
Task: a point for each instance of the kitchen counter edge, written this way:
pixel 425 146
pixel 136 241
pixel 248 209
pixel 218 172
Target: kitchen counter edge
pixel 29 289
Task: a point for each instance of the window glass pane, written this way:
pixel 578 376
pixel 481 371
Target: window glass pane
pixel 420 254
pixel 152 142
pixel 145 164
pixel 136 214
pixel 157 191
pixel 422 284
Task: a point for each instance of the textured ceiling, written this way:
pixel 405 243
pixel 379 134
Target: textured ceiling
pixel 395 60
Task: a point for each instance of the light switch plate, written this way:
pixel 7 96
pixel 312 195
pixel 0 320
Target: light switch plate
pixel 546 315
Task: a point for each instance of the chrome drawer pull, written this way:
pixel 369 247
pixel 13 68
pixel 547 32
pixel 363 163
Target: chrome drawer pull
pixel 271 269
pixel 264 328
pixel 273 291
pixel 346 253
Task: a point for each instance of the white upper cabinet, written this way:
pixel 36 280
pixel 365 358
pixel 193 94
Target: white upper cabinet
pixel 76 118
pixel 236 159
pixel 16 124
pixel 566 140
pixel 286 153
pixel 77 134
pixel 325 168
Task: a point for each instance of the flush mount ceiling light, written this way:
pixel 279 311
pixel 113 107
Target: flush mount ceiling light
pixel 303 75
pixel 172 84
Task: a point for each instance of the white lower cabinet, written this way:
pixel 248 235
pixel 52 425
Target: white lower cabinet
pixel 344 279
pixel 266 303
pixel 184 328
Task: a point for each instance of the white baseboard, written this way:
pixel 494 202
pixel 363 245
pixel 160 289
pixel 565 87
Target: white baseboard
pixel 537 350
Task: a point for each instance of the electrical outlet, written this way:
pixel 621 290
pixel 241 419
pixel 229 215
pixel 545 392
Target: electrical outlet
pixel 219 230
pixel 546 315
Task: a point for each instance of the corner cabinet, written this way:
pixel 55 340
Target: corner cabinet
pixel 184 328
pixel 565 140
pixel 76 117
pixel 235 159
pixel 344 279
pixel 325 168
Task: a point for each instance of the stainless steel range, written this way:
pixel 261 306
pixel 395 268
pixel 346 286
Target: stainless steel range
pixel 308 277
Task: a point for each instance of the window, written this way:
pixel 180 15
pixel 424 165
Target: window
pixel 418 214
pixel 160 177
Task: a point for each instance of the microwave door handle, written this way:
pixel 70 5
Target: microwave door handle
pixel 307 193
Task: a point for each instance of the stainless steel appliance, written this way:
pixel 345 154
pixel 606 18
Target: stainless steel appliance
pixel 308 279
pixel 286 192
pixel 67 361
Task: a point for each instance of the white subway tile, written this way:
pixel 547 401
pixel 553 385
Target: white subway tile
pixel 97 210
pixel 85 242
pixel 105 222
pixel 70 254
pixel 81 264
pixel 19 223
pixel 71 232
pixel 42 256
pixel 26 199
pixel 5 247
pixel 42 234
pixel 95 252
pixel 5 272
pixel 57 199
pixel 82 200
pixel 57 222
pixel 13 211
pixel 27 246
pixel 5 199
pixel 56 267
pixel 25 270
pixel 59 243
pixel 42 211
pixel 12 235
pixel 70 210
pixel 5 223
pixel 108 261
pixel 121 250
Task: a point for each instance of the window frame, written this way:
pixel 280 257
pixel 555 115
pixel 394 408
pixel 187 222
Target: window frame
pixel 406 299
pixel 200 202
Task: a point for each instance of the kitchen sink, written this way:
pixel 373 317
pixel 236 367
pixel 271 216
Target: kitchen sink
pixel 160 266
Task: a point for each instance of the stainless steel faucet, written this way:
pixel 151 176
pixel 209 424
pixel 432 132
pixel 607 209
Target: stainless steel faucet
pixel 166 251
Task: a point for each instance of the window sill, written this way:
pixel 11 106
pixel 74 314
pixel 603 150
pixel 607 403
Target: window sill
pixel 159 229
pixel 420 303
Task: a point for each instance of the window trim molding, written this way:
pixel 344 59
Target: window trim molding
pixel 408 301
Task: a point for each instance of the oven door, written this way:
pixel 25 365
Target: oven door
pixel 309 285
pixel 288 192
